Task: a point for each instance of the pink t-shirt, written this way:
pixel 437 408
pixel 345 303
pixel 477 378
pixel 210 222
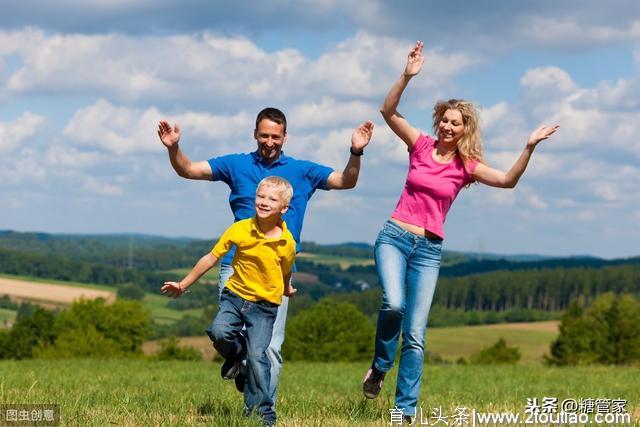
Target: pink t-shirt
pixel 431 187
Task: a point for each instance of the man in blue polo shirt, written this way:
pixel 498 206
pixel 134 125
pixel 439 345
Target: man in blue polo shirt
pixel 242 173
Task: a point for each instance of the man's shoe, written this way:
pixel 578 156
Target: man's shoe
pixel 230 369
pixel 372 383
pixel 408 419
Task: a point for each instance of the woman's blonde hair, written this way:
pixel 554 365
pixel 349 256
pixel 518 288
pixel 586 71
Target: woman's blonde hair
pixel 470 145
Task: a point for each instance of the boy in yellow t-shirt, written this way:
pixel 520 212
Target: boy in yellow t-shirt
pixel 262 274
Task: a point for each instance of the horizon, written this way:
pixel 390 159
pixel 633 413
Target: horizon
pixel 194 238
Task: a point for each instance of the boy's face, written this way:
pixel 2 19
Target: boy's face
pixel 269 202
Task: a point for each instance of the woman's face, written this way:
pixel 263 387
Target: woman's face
pixel 451 127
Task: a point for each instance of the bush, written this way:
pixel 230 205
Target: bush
pixel 130 291
pixel 329 331
pixel 93 328
pixel 34 327
pixel 170 350
pixel 607 332
pixel 497 354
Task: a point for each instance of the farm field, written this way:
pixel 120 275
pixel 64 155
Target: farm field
pixel 342 261
pixel 49 293
pixel 56 294
pixel 138 392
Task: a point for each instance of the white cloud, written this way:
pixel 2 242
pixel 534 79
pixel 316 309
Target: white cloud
pixel 14 133
pixel 94 186
pixel 64 158
pixel 207 66
pixel 547 81
pixel 331 113
pixel 122 130
pixel 536 202
pixel 546 30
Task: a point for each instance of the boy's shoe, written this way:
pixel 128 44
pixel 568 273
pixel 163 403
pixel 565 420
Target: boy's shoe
pixel 241 378
pixel 268 423
pixel 230 369
pixel 372 383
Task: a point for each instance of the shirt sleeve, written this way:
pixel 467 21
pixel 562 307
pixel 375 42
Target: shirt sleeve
pixel 221 168
pixel 470 167
pixel 226 242
pixel 318 175
pixel 421 144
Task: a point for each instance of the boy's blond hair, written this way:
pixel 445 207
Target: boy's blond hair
pixel 280 184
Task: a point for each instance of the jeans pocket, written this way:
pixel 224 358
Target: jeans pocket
pixel 391 230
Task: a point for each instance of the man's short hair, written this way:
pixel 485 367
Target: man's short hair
pixel 280 184
pixel 274 115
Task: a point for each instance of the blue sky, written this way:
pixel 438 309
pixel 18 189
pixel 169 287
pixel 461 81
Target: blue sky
pixel 83 84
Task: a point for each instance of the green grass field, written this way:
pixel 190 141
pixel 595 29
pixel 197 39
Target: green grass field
pixel 138 392
pixel 210 276
pixel 533 339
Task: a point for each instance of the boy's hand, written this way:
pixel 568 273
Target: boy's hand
pixel 172 289
pixel 289 290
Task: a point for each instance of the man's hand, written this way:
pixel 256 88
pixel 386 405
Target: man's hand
pixel 168 135
pixel 361 136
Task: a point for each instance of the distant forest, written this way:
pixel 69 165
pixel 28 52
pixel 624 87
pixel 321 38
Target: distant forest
pixel 466 282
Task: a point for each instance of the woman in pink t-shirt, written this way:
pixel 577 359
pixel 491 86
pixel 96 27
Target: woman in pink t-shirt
pixel 408 248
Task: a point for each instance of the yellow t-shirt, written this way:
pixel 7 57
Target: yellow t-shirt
pixel 261 264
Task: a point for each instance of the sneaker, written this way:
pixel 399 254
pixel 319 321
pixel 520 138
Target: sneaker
pixel 268 422
pixel 230 369
pixel 408 419
pixel 372 383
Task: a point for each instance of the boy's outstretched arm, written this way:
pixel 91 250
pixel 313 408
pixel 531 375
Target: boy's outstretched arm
pixel 204 264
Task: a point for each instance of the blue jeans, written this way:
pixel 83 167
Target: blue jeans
pixel 226 332
pixel 277 338
pixel 408 267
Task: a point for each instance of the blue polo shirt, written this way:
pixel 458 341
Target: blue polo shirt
pixel 242 173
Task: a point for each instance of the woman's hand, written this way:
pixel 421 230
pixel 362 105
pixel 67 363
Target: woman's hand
pixel 414 60
pixel 540 134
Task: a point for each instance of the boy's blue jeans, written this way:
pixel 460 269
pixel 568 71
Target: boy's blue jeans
pixel 274 351
pixel 232 343
pixel 408 267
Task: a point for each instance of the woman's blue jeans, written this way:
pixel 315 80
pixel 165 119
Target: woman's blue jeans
pixel 408 267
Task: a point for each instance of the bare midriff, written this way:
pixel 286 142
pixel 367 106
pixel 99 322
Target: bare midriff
pixel 416 229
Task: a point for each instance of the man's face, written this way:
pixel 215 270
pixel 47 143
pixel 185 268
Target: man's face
pixel 269 202
pixel 270 137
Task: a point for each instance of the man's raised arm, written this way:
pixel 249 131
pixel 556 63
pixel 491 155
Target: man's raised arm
pixel 349 176
pixel 170 137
